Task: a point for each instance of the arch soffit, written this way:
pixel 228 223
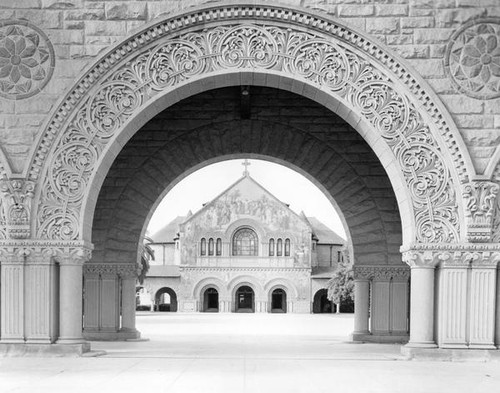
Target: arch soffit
pixel 408 118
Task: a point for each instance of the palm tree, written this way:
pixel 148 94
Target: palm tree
pixel 147 254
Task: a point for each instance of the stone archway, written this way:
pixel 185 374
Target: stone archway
pixel 171 306
pixel 390 106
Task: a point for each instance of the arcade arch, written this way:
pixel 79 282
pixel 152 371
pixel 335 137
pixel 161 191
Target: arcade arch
pixel 397 120
pixel 165 300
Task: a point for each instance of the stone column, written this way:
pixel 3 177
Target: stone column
pixel 70 295
pixel 128 277
pixel 12 296
pixel 422 265
pixel 497 320
pixel 483 283
pixel 41 290
pixel 361 307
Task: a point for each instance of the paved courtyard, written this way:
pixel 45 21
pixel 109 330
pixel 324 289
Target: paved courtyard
pixel 245 353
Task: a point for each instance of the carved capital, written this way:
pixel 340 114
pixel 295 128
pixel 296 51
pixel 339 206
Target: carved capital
pixel 15 208
pixel 125 271
pixel 72 256
pixel 381 273
pixel 422 258
pixel 479 197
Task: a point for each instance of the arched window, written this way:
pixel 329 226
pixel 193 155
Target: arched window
pixel 279 248
pixel 287 247
pixel 203 247
pixel 218 247
pixel 245 242
pixel 271 247
pixel 210 246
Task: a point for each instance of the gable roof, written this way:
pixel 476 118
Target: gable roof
pixel 247 177
pixel 168 233
pixel 324 234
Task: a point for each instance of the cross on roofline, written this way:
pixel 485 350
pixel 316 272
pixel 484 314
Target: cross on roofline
pixel 246 163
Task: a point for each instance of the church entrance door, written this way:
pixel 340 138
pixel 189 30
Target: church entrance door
pixel 278 301
pixel 211 300
pixel 245 299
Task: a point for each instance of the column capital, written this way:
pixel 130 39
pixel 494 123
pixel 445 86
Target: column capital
pixel 479 197
pixel 72 256
pixel 127 271
pixel 381 273
pixel 16 197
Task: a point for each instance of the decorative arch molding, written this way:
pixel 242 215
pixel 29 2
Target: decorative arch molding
pixel 263 44
pixel 239 281
pixel 282 283
pixel 207 282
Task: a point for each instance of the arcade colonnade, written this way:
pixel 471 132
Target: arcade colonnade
pixel 447 211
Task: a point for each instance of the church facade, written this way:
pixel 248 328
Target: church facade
pixel 245 251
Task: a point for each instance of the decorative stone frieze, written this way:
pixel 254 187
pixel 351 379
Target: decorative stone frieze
pixel 326 55
pixel 382 273
pixel 479 197
pixel 472 58
pixel 118 269
pixel 457 255
pixel 27 59
pixel 39 250
pixel 15 208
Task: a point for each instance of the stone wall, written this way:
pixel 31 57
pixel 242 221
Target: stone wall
pixel 82 30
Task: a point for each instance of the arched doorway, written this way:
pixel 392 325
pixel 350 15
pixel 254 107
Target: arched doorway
pixel 321 304
pixel 278 301
pixel 245 300
pixel 211 300
pixel 166 300
pixel 392 131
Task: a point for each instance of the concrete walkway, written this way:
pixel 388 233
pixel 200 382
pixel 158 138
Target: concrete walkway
pixel 245 353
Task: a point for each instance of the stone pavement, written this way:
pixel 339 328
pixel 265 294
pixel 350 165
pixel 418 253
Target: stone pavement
pixel 245 353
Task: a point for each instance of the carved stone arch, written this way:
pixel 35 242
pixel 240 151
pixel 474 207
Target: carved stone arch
pixel 407 126
pixel 239 281
pixel 207 282
pixel 282 283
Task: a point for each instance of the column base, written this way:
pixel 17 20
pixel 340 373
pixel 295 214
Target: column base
pixel 44 350
pixel 421 344
pixel 449 354
pixel 7 340
pixel 71 341
pixel 379 338
pixel 121 335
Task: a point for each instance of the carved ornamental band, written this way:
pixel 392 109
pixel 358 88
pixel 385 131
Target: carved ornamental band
pixel 318 59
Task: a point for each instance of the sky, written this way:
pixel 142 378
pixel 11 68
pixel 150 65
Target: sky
pixel 208 182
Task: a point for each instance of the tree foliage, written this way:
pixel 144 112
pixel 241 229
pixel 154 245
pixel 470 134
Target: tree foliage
pixel 147 254
pixel 341 285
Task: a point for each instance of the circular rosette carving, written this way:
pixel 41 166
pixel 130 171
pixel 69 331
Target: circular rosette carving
pixel 383 107
pixel 174 62
pixel 26 59
pixel 473 59
pixel 111 106
pixel 247 46
pixel 424 171
pixel 321 62
pixel 70 167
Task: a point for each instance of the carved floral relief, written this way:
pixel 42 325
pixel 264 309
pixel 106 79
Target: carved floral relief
pixel 26 59
pixel 326 63
pixel 473 59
